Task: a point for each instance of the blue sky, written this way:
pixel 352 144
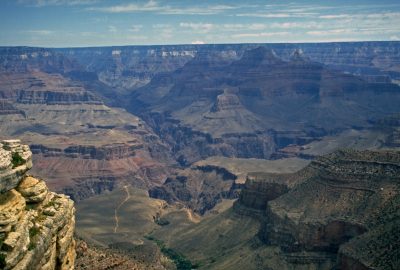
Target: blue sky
pixel 74 23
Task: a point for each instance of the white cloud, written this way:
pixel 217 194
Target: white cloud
pixel 291 25
pixel 329 32
pixel 263 34
pixel 88 34
pixel 151 5
pixel 112 29
pixel 208 27
pixel 161 26
pixel 335 16
pixel 269 15
pixel 135 28
pixel 154 6
pixel 135 38
pixel 42 3
pixel 275 15
pixel 352 31
pixel 241 27
pixel 165 31
pixel 395 38
pixel 198 27
pixel 383 15
pixel 198 42
pixel 40 32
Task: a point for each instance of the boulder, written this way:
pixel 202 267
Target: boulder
pixel 34 190
pixel 15 161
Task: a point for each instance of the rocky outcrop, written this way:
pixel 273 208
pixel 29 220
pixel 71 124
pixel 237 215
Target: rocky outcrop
pixel 379 248
pixel 41 88
pixel 36 225
pixel 226 101
pixel 15 161
pixel 56 97
pixel 391 125
pixel 189 145
pixel 262 187
pixel 8 108
pixel 345 204
pixel 90 256
pixel 198 187
pixel 104 152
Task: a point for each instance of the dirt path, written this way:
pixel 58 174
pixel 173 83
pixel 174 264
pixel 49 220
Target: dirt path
pixel 128 196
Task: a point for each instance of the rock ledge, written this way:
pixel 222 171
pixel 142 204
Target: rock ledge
pixel 36 225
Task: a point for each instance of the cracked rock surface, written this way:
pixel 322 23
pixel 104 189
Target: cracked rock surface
pixel 36 225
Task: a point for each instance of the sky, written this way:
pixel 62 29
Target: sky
pixel 82 23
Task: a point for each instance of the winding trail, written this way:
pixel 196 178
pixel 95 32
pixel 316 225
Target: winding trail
pixel 128 196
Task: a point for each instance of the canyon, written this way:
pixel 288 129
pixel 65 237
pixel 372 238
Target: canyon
pixel 331 214
pixel 208 156
pixel 80 145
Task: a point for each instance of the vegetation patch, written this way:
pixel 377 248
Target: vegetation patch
pixel 31 246
pixel 162 222
pixel 16 160
pixel 30 206
pixel 2 261
pixel 179 260
pixel 33 232
pixel 51 203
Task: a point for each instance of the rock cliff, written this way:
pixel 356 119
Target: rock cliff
pixel 261 187
pixel 36 225
pixel 342 209
pixel 34 87
pixel 198 187
pixel 80 146
pixel 252 106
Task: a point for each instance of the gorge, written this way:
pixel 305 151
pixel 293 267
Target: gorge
pixel 229 156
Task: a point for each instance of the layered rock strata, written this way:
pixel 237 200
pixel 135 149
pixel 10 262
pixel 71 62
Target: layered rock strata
pixel 262 187
pixel 345 205
pixel 199 187
pixel 36 225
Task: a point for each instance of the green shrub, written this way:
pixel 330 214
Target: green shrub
pixel 33 231
pixel 149 237
pixel 17 160
pixel 162 222
pixel 31 246
pixel 2 261
pixel 30 206
pixel 179 260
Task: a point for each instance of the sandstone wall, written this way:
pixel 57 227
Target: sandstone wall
pixel 36 225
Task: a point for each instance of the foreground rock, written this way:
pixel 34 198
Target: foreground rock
pixel 36 225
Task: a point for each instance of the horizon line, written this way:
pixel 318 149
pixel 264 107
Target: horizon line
pixel 197 45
